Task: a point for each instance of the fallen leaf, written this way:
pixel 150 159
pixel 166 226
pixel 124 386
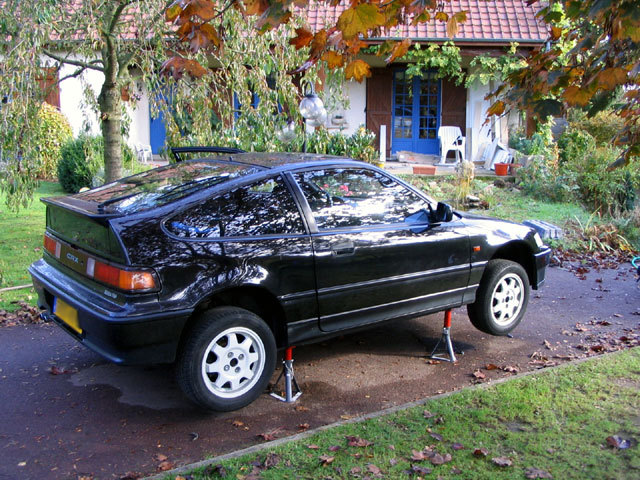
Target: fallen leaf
pixel 433 362
pixel 313 446
pixel 334 448
pixel 160 457
pixel 272 460
pixel 502 461
pixel 479 375
pixel 457 446
pixel 303 426
pixel 418 455
pixel 437 459
pixel 300 408
pixel 164 466
pixel 393 461
pixel 215 470
pixel 417 469
pixel 355 441
pixel 438 421
pixel 456 471
pixel 436 436
pixel 617 315
pixel 371 468
pixel 491 366
pixel 532 472
pixel 355 471
pixel 510 369
pixel 427 414
pixel 326 459
pixel 237 423
pixel 615 441
pixel 481 452
pixel 547 344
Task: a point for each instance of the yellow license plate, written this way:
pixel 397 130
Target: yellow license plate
pixel 67 314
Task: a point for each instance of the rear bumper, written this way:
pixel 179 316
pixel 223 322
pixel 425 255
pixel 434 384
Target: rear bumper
pixel 120 333
pixel 542 259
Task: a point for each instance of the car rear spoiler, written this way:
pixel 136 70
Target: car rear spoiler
pixel 179 152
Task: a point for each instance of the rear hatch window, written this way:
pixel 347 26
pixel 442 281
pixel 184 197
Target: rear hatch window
pixel 160 186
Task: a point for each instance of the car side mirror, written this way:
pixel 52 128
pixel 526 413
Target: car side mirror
pixel 442 213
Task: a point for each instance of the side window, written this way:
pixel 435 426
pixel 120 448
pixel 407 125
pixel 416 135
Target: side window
pixel 343 198
pixel 264 208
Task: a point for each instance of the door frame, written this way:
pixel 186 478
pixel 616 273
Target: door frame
pixel 415 144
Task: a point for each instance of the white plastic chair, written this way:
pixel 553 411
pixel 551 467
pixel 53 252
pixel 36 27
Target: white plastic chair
pixel 143 152
pixel 451 139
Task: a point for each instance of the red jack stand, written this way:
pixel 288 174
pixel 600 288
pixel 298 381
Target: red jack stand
pixel 446 339
pixel 289 379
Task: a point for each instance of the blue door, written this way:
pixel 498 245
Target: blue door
pixel 157 132
pixel 416 113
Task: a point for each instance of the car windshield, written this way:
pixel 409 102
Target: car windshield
pixel 162 185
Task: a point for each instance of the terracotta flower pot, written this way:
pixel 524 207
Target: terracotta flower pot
pixel 424 170
pixel 502 169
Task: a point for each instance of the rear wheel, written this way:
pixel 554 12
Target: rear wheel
pixel 227 360
pixel 502 298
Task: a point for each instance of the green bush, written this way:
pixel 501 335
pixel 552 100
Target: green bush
pixel 80 161
pixel 574 145
pixel 52 132
pixel 611 192
pixel 542 179
pixel 603 126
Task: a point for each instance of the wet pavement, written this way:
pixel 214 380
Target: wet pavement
pixel 67 413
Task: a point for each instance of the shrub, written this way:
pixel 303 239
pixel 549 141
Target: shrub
pixel 543 179
pixel 81 159
pixel 575 145
pixel 602 127
pixel 605 191
pixel 53 131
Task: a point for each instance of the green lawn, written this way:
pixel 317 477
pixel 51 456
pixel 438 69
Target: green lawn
pixel 21 244
pixel 556 421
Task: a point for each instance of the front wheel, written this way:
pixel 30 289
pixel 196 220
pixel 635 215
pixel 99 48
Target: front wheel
pixel 502 298
pixel 227 359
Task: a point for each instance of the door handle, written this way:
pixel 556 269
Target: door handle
pixel 343 248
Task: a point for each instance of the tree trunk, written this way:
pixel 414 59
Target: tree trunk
pixel 111 123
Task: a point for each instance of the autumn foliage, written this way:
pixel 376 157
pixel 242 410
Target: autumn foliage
pixel 198 26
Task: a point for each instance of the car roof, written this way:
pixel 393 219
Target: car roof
pixel 276 160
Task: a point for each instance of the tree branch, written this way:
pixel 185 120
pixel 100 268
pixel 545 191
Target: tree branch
pixel 72 75
pixel 78 63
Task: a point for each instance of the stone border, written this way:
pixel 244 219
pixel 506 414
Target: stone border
pixel 387 411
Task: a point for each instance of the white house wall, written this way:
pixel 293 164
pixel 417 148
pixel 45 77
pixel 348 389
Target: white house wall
pixel 477 132
pixel 72 99
pixel 84 119
pixel 356 113
pixel 139 133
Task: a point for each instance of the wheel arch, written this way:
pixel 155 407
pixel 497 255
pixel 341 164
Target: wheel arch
pixel 518 251
pixel 254 299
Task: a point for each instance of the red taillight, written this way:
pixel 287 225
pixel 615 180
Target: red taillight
pixel 52 246
pixel 123 279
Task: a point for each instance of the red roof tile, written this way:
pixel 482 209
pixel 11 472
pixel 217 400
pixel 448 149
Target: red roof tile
pixel 488 22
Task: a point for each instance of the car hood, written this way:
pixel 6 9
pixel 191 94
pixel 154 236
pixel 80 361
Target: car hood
pixel 501 230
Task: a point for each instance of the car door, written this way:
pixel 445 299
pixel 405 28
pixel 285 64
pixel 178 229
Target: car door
pixel 372 262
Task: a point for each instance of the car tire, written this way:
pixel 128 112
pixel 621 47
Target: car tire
pixel 501 299
pixel 227 359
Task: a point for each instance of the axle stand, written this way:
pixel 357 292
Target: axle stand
pixel 289 379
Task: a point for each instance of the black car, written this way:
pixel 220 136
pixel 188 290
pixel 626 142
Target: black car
pixel 216 263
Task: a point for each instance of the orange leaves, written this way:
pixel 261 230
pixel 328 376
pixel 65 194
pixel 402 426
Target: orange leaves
pixel 357 70
pixel 302 39
pixel 177 66
pixel 255 7
pixel 399 50
pixel 496 109
pixel 610 78
pixel 333 59
pixel 577 96
pixel 454 21
pixel 359 19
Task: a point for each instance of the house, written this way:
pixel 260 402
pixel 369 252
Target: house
pixel 386 98
pixel 412 121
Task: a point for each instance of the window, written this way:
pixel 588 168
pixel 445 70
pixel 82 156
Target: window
pixel 264 208
pixel 345 198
